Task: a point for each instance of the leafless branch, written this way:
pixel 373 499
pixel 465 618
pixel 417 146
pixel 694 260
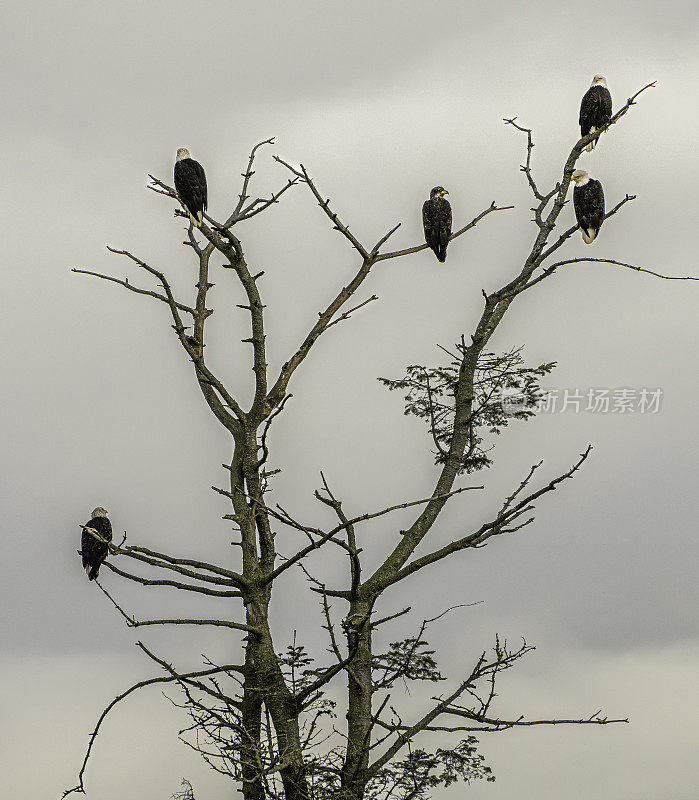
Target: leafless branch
pixel 525 482
pixel 350 311
pixel 163 561
pixel 263 439
pixel 526 168
pixel 182 679
pixel 132 622
pixel 125 283
pixel 568 233
pixel 409 732
pixel 303 175
pixel 488 529
pixel 408 251
pixel 551 268
pixel 348 527
pixel 174 584
pixel 233 577
pixel 329 626
pixel 246 177
pixel 326 676
pixel 205 377
pixel 375 249
pixel 401 613
pixel 223 623
pixel 494 725
pixel 140 685
pixel 326 536
pixel 261 204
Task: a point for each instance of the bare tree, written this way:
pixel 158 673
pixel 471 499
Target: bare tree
pixel 268 721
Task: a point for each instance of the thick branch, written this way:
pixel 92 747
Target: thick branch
pixel 325 318
pixel 496 526
pixel 222 623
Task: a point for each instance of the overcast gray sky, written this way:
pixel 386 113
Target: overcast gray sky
pixel 381 101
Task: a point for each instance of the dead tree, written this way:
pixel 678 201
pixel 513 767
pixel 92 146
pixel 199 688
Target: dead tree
pixel 267 720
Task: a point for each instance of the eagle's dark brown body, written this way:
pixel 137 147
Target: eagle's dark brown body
pixel 595 111
pixel 588 201
pixel 190 182
pixel 93 550
pixel 436 220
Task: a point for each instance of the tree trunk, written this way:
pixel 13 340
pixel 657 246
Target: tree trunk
pixel 358 627
pixel 251 719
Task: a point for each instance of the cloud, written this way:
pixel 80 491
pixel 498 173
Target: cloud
pixel 137 752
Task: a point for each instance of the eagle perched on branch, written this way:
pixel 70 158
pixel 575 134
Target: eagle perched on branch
pixel 595 109
pixel 94 548
pixel 190 182
pixel 588 201
pixel 436 219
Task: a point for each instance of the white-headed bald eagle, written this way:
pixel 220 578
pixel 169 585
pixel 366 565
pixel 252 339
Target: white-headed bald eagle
pixel 436 220
pixel 588 201
pixel 94 550
pixel 190 182
pixel 595 109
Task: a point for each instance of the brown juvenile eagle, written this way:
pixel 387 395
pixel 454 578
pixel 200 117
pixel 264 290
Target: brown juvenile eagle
pixel 436 219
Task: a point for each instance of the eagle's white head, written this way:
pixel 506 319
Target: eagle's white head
pixel 580 177
pixel 598 80
pixel 99 512
pixel 182 153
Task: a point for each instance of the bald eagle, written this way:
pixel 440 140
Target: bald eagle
pixel 436 219
pixel 93 550
pixel 595 109
pixel 588 201
pixel 190 182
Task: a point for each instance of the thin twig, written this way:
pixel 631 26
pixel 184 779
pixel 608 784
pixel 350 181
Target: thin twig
pixel 418 248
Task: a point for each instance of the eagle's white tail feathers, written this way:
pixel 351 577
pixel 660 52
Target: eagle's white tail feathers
pixel 591 146
pixel 196 221
pixel 588 235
